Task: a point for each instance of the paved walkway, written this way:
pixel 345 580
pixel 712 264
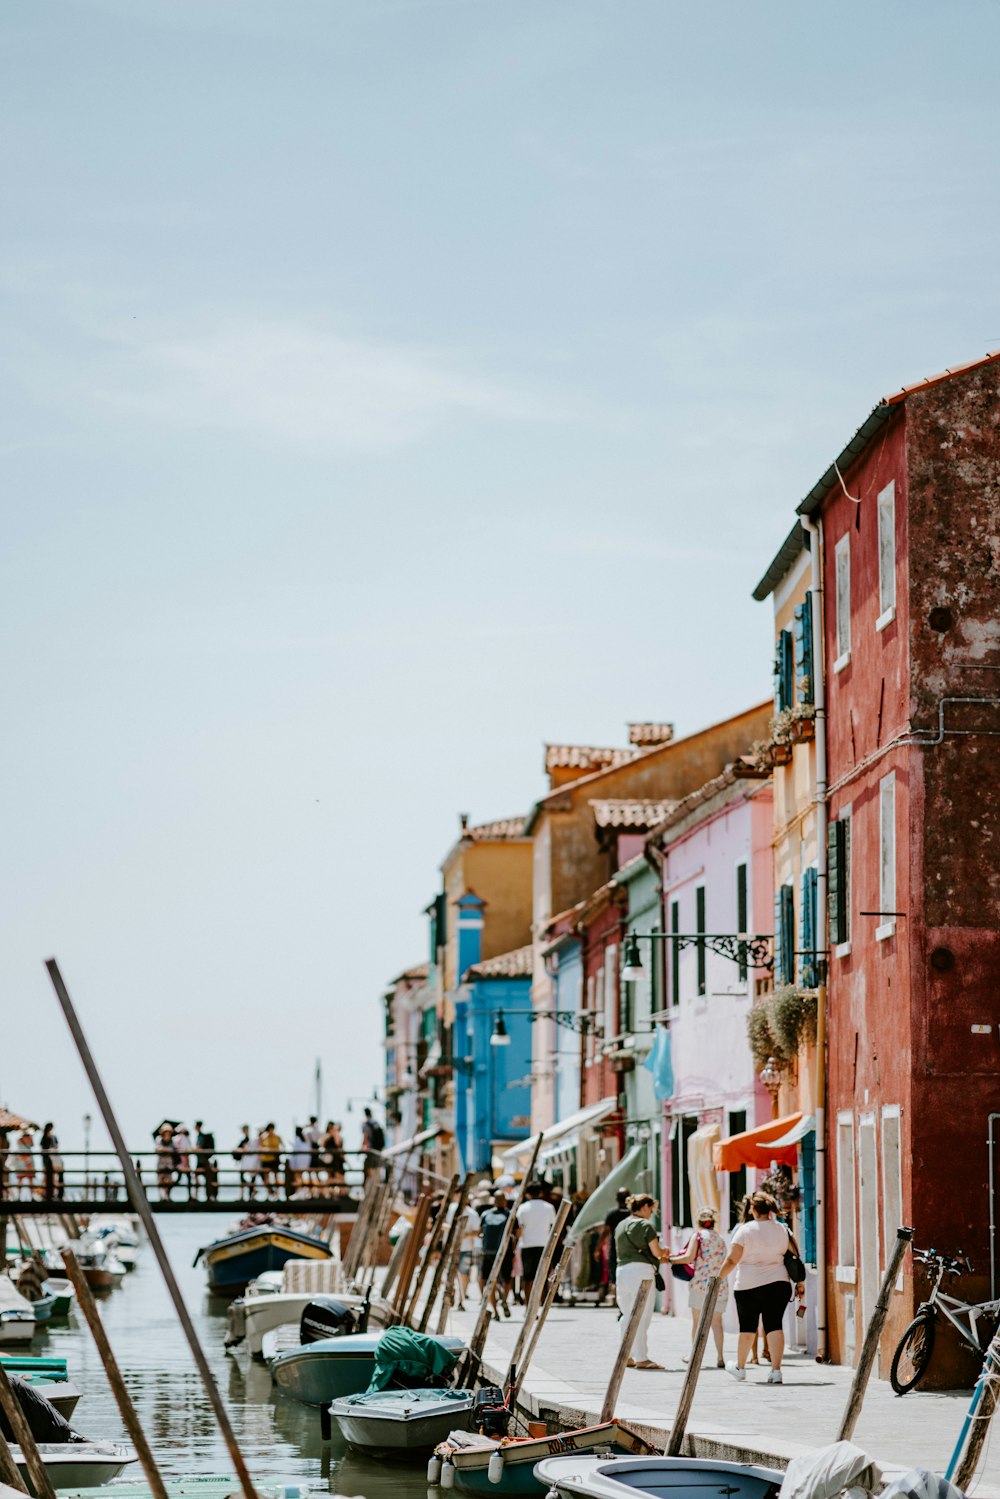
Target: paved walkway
pixel 768 1422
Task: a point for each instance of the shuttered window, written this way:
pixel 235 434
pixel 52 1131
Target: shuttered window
pixel 675 954
pixel 699 926
pixel 742 918
pixel 842 566
pixel 887 846
pixel 838 876
pixel 887 549
pixel 784 672
pixel 784 935
pixel 803 630
pixel 807 958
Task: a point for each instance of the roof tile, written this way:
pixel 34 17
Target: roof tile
pixel 506 965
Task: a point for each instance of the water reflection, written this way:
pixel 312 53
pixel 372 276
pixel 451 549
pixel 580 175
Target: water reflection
pixel 280 1437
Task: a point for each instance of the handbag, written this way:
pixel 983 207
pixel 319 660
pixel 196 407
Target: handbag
pixel 686 1272
pixel 793 1261
pixel 659 1282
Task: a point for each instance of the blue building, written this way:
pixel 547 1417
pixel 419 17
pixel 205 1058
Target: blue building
pixel 492 1081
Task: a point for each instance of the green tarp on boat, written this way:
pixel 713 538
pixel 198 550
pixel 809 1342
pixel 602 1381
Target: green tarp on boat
pixel 402 1353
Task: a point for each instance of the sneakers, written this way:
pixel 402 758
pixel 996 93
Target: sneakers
pixel 775 1377
pixel 736 1372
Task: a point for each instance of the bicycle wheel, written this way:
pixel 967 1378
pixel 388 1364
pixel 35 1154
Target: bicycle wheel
pixel 909 1362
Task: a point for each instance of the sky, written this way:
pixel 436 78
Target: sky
pixel 388 387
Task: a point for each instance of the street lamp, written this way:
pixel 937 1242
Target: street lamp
pixel 770 1076
pixel 632 969
pixel 500 1036
pixel 87 1122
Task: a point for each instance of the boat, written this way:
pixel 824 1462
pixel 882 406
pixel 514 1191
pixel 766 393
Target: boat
pixel 65 1397
pixel 235 1260
pixel 317 1373
pixel 583 1477
pixel 43 1306
pixel 401 1423
pixel 198 1486
pixel 470 1456
pixel 63 1294
pixel 79 1465
pixel 257 1315
pixel 17 1314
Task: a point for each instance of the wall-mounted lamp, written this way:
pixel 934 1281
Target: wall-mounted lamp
pixel 500 1036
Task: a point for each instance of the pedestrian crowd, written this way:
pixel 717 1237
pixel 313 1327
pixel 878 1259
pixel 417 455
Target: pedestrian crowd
pixel 28 1167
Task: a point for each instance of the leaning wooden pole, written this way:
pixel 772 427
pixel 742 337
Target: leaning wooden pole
pixel 361 1221
pixel 88 1306
pixel 477 1342
pixel 452 1255
pixel 433 1244
pixel 140 1204
pixel 10 1473
pixel 869 1347
pixel 552 1291
pixel 445 1237
pixel 964 1461
pixel 18 1423
pixel 414 1240
pixel 629 1332
pixel 538 1286
pixel 676 1440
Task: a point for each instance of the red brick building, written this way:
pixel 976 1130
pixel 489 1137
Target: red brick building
pixel 909 529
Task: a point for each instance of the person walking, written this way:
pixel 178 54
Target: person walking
pixel 617 1215
pixel 535 1220
pixel 204 1149
pixel 493 1222
pixel 271 1145
pixel 706 1254
pixel 166 1159
pixel 300 1159
pixel 372 1143
pixel 52 1163
pixel 762 1289
pixel 314 1137
pixel 639 1254
pixel 182 1145
pixel 240 1152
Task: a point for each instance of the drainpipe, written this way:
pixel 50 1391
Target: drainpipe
pixel 815 532
pixel 990 1146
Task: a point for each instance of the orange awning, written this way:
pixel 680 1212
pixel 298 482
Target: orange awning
pixel 742 1150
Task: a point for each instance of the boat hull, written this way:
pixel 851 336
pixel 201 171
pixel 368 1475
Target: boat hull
pixel 262 1314
pixel 401 1423
pixel 232 1263
pixel 79 1466
pixel 582 1477
pixel 19 1329
pixel 471 1463
pixel 319 1373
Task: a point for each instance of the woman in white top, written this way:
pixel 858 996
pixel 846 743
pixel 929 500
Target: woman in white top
pixel 763 1290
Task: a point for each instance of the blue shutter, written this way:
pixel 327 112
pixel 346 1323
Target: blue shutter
pixel 804 683
pixel 787 934
pixel 807 1158
pixel 810 885
pixel 784 671
pixel 778 934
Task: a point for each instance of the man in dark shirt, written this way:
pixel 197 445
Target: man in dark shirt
pixel 492 1223
pixel 611 1222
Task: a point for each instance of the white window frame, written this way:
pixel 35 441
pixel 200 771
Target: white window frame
pixel 610 972
pixel 843 949
pixel 842 599
pixel 892 1183
pixel 886 556
pixel 847 1204
pixel 886 856
pixel 590 990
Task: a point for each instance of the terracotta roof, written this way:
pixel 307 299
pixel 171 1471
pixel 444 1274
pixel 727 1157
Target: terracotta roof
pixel 929 380
pixel 645 734
pixel 631 814
pixel 586 757
pixel 413 974
pixel 503 827
pixel 506 965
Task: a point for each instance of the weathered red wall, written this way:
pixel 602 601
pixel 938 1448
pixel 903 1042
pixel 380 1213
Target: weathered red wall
pixel 605 929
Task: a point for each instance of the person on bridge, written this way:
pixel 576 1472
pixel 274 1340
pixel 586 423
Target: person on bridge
pixel 166 1161
pixel 24 1164
pixel 271 1145
pixel 52 1164
pixel 204 1150
pixel 372 1143
pixel 182 1147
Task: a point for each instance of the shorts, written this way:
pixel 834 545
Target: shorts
pixel 529 1262
pixel 696 1298
pixel 465 1261
pixel 763 1304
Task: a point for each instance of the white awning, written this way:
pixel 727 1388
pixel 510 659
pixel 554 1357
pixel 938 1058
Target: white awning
pixel 413 1143
pixel 555 1138
pixel 805 1126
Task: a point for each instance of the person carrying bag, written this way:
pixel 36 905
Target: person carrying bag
pixel 639 1254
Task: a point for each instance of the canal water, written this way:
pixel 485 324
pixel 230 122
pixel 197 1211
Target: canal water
pixel 279 1437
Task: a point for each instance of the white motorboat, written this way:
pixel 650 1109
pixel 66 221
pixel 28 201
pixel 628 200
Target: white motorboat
pixel 401 1423
pixel 584 1477
pixel 18 1323
pixel 79 1465
pixel 262 1314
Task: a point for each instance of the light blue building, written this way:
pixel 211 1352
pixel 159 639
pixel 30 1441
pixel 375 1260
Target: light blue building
pixel 491 1042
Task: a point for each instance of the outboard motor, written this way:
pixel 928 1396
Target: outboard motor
pixel 326 1317
pixel 491 1413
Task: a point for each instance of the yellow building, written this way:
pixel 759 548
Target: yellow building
pixel 492 861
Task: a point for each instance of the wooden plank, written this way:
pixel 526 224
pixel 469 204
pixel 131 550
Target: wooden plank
pixel 18 1423
pixel 625 1349
pixel 452 1254
pixel 433 1243
pixel 477 1342
pixel 538 1288
pixel 679 1427
pixel 869 1347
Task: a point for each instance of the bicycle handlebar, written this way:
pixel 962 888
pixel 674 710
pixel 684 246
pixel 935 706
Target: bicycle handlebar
pixel 959 1265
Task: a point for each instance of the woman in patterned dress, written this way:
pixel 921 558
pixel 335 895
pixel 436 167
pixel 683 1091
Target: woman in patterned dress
pixel 705 1253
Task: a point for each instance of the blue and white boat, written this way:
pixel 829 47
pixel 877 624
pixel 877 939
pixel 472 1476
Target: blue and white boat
pixel 234 1261
pixel 318 1373
pixel 583 1477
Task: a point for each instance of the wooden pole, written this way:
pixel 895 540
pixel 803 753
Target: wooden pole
pixel 976 1426
pixel 10 1473
pixel 452 1255
pixel 538 1286
pixel 551 1292
pixel 414 1240
pixel 433 1243
pixel 368 1264
pixel 18 1423
pixel 350 1259
pixel 673 1447
pixel 395 1261
pixel 478 1340
pixel 88 1306
pixel 446 1238
pixel 140 1205
pixel 625 1350
pixel 869 1347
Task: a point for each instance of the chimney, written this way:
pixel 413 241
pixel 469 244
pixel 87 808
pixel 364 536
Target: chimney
pixel 646 735
pixel 463 819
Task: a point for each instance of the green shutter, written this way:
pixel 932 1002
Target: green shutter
pixel 804 683
pixel 808 920
pixel 779 946
pixel 787 934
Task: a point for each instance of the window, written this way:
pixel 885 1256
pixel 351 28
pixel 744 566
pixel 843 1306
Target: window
pixel 611 991
pixel 886 557
pixel 842 594
pixel 887 857
pixel 699 926
pixel 657 997
pixel 742 918
pixel 684 1128
pixel 601 1019
pixel 845 1193
pixel 892 1181
pixel 784 935
pixel 675 954
pixel 784 672
pixel 737 1178
pixel 591 1028
pixel 804 669
pixel 808 966
pixel 838 878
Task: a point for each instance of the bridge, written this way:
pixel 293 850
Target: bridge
pixel 92 1181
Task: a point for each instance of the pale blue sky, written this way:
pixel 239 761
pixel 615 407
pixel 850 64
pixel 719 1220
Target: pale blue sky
pixel 388 387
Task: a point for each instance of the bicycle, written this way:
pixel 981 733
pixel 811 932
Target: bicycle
pixel 913 1352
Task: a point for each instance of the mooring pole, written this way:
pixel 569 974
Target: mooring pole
pixel 18 1423
pixel 140 1203
pixel 679 1427
pixel 976 1426
pixel 869 1347
pixel 625 1350
pixel 10 1473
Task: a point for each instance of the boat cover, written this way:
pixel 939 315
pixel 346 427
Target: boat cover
pixel 921 1483
pixel 404 1355
pixel 828 1471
